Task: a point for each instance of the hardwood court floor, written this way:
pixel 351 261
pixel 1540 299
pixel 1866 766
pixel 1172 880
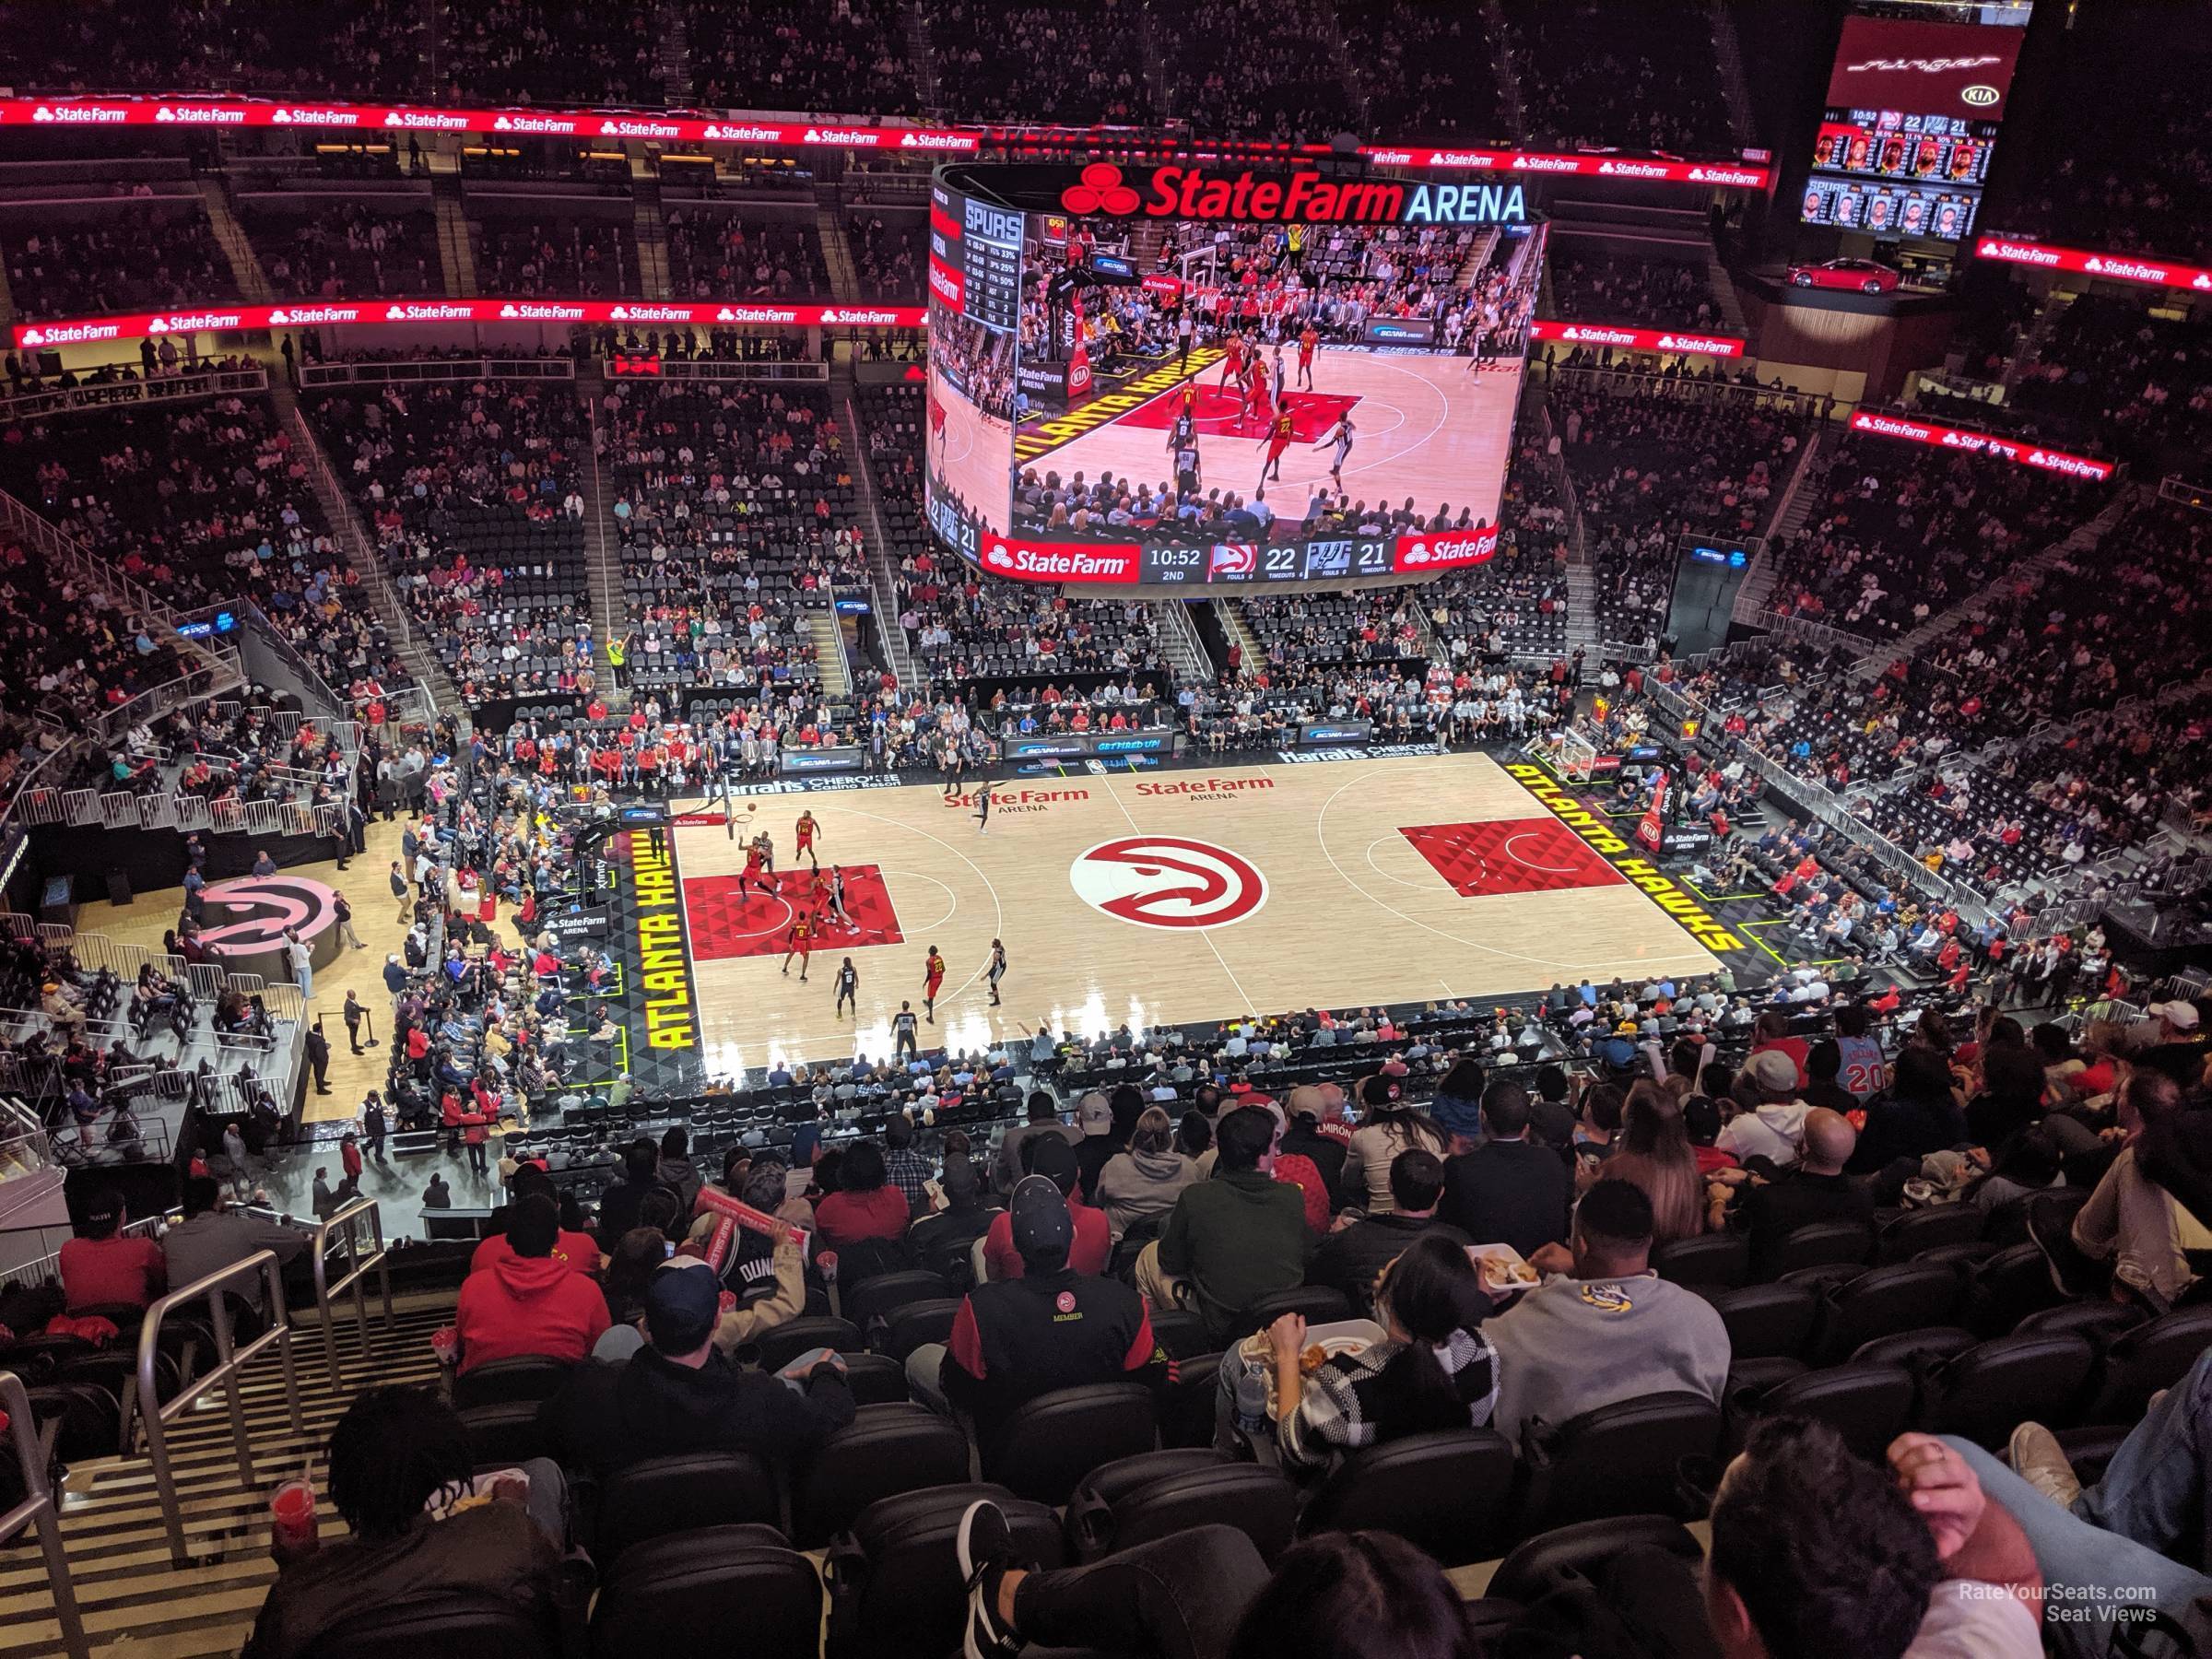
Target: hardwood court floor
pixel 1323 885
pixel 1428 427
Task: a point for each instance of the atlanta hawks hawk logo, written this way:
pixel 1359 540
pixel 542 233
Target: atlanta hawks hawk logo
pixel 251 914
pixel 1168 881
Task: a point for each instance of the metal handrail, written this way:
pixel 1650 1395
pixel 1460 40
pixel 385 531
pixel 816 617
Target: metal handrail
pixel 157 1414
pixel 37 1510
pixel 356 1268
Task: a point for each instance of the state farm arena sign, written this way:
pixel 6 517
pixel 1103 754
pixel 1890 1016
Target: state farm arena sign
pixel 1638 339
pixel 2018 451
pixel 374 313
pixel 2147 269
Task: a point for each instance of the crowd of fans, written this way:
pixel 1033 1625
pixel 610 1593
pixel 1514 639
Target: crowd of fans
pixel 986 55
pixel 1595 285
pixel 2110 372
pixel 888 254
pixel 361 247
pixel 580 258
pixel 1428 72
pixel 719 253
pixel 564 53
pixel 159 254
pixel 1642 78
pixel 844 57
pixel 1283 78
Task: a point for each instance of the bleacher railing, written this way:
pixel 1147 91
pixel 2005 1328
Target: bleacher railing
pixel 37 1510
pixel 343 1228
pixel 158 1415
pixel 416 371
pixel 129 394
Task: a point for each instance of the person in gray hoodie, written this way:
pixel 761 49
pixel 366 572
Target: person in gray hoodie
pixel 676 1169
pixel 1143 1183
pixel 1604 1329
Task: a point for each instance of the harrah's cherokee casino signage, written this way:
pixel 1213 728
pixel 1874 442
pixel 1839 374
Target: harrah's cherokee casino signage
pixel 2018 451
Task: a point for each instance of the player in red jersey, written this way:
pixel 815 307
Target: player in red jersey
pixel 799 943
pixel 1255 388
pixel 752 872
pixel 933 976
pixel 1280 431
pixel 807 829
pixel 1307 339
pixel 1232 366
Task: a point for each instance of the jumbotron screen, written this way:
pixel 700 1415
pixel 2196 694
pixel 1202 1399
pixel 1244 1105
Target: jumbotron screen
pixel 1183 374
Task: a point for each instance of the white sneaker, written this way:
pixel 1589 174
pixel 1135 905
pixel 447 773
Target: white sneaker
pixel 2038 1459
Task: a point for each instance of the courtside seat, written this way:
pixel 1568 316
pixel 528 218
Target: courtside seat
pixel 1718 1259
pixel 1821 1243
pixel 1259 1503
pixel 1536 1566
pixel 895 1586
pixel 1048 1444
pixel 884 1449
pixel 2140 1362
pixel 687 1591
pixel 1766 1321
pixel 1869 1404
pixel 529 1377
pixel 661 1495
pixel 1617 1460
pixel 1904 1296
pixel 1984 1392
pixel 778 1347
pixel 1451 1491
pixel 1916 1230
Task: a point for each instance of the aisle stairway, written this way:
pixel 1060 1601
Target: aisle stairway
pixel 230 236
pixel 651 229
pixel 601 549
pixel 829 653
pixel 136 1604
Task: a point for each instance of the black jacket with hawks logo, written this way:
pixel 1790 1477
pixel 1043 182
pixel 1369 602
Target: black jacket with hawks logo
pixel 1015 1340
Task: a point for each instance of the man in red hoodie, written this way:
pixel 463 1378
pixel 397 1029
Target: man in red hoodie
pixel 529 1303
pixel 1091 1243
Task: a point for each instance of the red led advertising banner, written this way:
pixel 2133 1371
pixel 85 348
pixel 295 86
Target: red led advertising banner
pixel 1418 553
pixel 2144 268
pixel 222 318
pixel 1961 69
pixel 771 132
pixel 2014 449
pixel 1638 339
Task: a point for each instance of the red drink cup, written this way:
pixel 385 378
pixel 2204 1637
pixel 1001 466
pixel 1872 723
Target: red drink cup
pixel 292 1515
pixel 444 1341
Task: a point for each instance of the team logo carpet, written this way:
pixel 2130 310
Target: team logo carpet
pixel 1219 414
pixel 1169 881
pixel 1510 855
pixel 727 923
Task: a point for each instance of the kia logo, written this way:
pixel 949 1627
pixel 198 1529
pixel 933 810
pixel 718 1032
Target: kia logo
pixel 1101 190
pixel 1979 96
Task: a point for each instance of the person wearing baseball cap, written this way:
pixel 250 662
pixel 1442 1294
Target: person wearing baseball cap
pixel 1094 1116
pixel 1056 1159
pixel 1766 1116
pixel 1054 1327
pixel 682 1393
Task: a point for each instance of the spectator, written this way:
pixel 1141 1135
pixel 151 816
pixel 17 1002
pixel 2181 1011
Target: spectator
pixel 619 1203
pixel 1388 1129
pixel 903 1164
pixel 1434 1372
pixel 1815 1189
pixel 865 1204
pixel 1232 1239
pixel 676 1170
pixel 1045 1119
pixel 1654 1151
pixel 1917 1115
pixel 578 1251
pixel 682 1392
pixel 1049 1327
pixel 1141 1185
pixel 1351 1256
pixel 1508 1191
pixel 528 1303
pixel 210 1239
pixel 1093 1242
pixel 2132 1220
pixel 402 1476
pixel 1603 1327
pixel 1763 1117
pixel 103 1268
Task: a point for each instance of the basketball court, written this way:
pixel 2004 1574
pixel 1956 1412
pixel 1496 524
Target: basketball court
pixel 1162 899
pixel 1436 428
pixel 969 451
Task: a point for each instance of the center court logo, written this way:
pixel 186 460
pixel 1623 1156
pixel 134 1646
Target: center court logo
pixel 1168 881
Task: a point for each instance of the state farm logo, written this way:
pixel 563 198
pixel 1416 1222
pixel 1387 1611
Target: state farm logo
pixel 1460 158
pixel 1558 164
pixel 745 134
pixel 648 313
pixel 2021 253
pixel 189 322
pixel 935 141
pixel 1726 175
pixel 756 314
pixel 1887 427
pixel 1634 170
pixel 1698 343
pixel 1447 550
pixel 71 114
pixel 1101 190
pixel 532 123
pixel 856 314
pixel 1170 881
pixel 999 559
pixel 307 117
pixel 1390 157
pixel 2133 270
pixel 637 129
pixel 436 121
pixel 1234 558
pixel 1061 562
pixel 429 313
pixel 302 315
pixel 1601 337
pixel 533 311
pixel 211 114
pixel 66 333
pixel 865 137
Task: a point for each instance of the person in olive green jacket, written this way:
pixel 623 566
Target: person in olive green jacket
pixel 1232 1239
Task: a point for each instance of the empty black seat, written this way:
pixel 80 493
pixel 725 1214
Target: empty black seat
pixel 1049 1443
pixel 1902 1297
pixel 1090 1505
pixel 2005 1288
pixel 883 1451
pixel 1536 1565
pixel 915 1323
pixel 1821 1243
pixel 1320 1304
pixel 530 1377
pixel 2103 1323
pixel 685 1593
pixel 1766 1321
pixel 2140 1362
pixel 875 1298
pixel 1617 1460
pixel 1916 1230
pixel 506 1431
pixel 1869 1404
pixel 1719 1259
pixel 1921 1347
pixel 1986 1392
pixel 875 1379
pixel 483 1626
pixel 1452 1492
pixel 661 1495
pixel 780 1345
pixel 1136 1500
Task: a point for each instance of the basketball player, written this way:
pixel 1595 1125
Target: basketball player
pixel 752 872
pixel 818 891
pixel 1341 435
pixel 933 977
pixel 807 829
pixel 768 851
pixel 1255 389
pixel 1274 370
pixel 1307 339
pixel 982 808
pixel 1183 430
pixel 848 988
pixel 1232 366
pixel 1279 430
pixel 799 943
pixel 836 894
pixel 998 969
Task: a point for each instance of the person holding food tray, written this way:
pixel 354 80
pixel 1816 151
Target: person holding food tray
pixel 1434 1370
